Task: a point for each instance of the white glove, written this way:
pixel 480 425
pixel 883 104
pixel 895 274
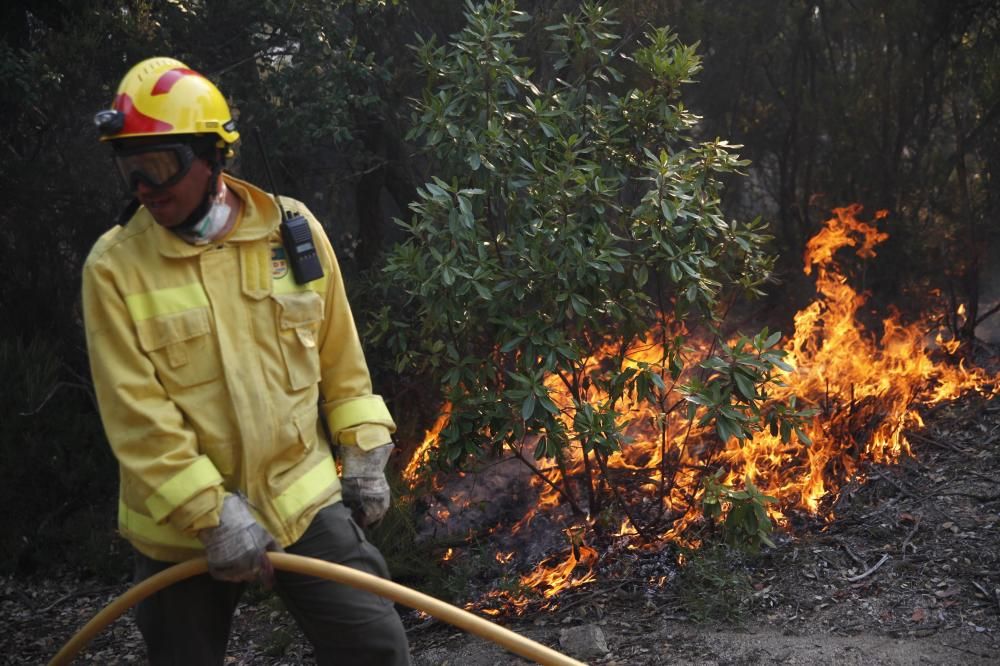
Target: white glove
pixel 237 548
pixel 365 490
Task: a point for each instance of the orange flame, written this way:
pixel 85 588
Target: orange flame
pixel 551 580
pixel 866 388
pixel 421 456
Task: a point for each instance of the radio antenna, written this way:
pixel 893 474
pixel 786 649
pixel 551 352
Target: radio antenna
pixel 296 235
pixel 267 170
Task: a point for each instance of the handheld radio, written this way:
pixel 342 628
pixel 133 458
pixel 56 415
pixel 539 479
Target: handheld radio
pixel 296 235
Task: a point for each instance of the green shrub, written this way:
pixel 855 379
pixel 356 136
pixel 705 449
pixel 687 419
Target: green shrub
pixel 740 515
pixel 57 475
pixel 713 585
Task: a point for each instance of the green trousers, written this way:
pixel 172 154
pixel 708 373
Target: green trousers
pixel 188 623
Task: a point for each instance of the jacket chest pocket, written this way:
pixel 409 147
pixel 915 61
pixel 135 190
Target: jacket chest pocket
pixel 182 347
pixel 299 317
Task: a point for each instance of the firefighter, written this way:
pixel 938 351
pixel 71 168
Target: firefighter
pixel 214 369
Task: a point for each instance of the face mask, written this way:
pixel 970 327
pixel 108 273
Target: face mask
pixel 210 227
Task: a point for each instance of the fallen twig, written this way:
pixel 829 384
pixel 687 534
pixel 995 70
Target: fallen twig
pixel 934 442
pixel 906 541
pixel 981 498
pixel 982 589
pixel 882 475
pixel 987 477
pixel 967 651
pixel 854 579
pixel 891 502
pixel 77 593
pixel 590 596
pixel 994 596
pixel 857 558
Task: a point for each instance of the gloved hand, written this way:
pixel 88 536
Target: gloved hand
pixel 364 488
pixel 236 549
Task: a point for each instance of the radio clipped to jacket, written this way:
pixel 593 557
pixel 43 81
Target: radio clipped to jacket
pixel 296 235
pixel 298 241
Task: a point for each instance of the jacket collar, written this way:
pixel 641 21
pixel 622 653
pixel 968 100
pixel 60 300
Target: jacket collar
pixel 258 218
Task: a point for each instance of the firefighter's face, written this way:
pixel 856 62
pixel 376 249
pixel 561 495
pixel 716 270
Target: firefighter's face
pixel 171 205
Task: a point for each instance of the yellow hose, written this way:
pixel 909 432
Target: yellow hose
pixel 462 619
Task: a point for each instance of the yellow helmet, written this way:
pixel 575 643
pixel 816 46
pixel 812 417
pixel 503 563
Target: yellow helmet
pixel 163 96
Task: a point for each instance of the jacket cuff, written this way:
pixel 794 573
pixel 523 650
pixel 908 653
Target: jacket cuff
pixel 365 410
pixel 366 437
pixel 200 513
pixel 182 487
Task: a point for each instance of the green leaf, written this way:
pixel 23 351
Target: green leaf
pixel 579 303
pixel 512 344
pixel 435 190
pixel 698 399
pixel 675 272
pixel 548 405
pixel 528 406
pixel 784 366
pixel 483 292
pixel 641 276
pixel 658 381
pixel 745 386
pixel 724 428
pixel 676 367
pixel 715 363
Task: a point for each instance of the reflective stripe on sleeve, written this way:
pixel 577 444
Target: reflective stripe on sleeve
pixel 144 527
pixel 183 486
pixel 369 409
pixel 166 301
pixel 304 491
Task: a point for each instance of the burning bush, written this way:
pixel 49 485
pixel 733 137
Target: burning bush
pixel 583 228
pixel 863 394
pixel 569 284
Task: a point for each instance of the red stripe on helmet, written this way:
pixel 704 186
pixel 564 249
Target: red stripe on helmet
pixel 169 78
pixel 137 122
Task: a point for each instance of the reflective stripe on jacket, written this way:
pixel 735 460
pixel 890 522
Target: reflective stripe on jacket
pixel 209 363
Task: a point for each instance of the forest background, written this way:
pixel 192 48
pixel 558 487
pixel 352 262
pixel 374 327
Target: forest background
pixel 892 104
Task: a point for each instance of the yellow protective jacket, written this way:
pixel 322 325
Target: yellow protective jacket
pixel 211 367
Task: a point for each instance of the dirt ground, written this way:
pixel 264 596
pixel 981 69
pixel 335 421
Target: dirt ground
pixel 907 572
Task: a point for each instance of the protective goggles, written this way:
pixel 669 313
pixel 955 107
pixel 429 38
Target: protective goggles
pixel 157 166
